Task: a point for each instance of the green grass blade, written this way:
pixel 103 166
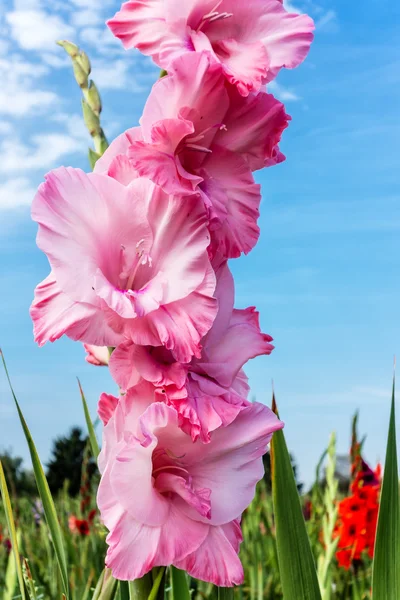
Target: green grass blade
pixel 92 435
pixel 180 584
pixel 386 567
pixel 225 593
pixel 296 562
pixel 12 530
pixel 45 495
pixel 157 591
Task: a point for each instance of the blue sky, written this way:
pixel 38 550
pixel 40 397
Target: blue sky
pixel 325 274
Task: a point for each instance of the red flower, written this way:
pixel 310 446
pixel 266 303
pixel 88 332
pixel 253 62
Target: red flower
pixel 80 526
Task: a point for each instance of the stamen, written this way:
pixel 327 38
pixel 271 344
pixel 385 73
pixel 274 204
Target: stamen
pixel 213 16
pixel 169 467
pixel 200 148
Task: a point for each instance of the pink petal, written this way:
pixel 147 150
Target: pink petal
pixel 241 341
pixel 216 561
pixel 194 82
pixel 118 147
pixel 83 224
pixel 140 24
pixel 106 407
pixel 230 184
pixel 97 355
pixel 54 314
pixel 134 548
pixel 254 126
pixel 245 65
pixel 130 362
pixel 231 464
pixel 180 325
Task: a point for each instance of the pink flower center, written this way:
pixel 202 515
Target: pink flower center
pixel 129 271
pixel 171 478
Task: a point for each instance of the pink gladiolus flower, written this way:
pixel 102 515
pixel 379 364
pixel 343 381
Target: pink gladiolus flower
pixel 97 355
pixel 199 136
pixel 127 263
pixel 252 40
pixel 167 500
pixel 212 390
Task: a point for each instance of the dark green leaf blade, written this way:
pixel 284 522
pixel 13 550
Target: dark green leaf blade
pixel 92 435
pixel 296 562
pixel 12 530
pixel 180 585
pixel 386 567
pixel 45 495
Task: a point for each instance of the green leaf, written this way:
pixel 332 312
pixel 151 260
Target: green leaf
pixel 225 593
pixel 92 435
pixel 140 589
pixel 157 591
pixel 296 562
pixel 45 495
pixel 386 566
pixel 180 585
pixel 13 535
pixel 123 590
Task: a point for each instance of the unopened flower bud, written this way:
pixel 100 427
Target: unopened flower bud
pixel 84 61
pixel 69 47
pixel 80 75
pixel 94 98
pixel 92 121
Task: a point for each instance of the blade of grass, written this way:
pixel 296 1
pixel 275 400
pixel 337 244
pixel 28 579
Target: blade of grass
pixel 225 593
pixel 180 584
pixel 92 435
pixel 386 566
pixel 12 530
pixel 296 562
pixel 45 495
pixel 156 590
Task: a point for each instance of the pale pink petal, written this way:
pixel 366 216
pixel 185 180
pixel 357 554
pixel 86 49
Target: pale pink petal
pixel 130 362
pixel 140 24
pixel 83 224
pixel 254 126
pixel 179 251
pixel 106 407
pixel 97 355
pixel 229 179
pixel 245 65
pixel 134 548
pixel 205 410
pixel 54 314
pixel 233 451
pixel 197 499
pixel 178 326
pixel 216 560
pixel 118 147
pixel 242 341
pixel 123 170
pixel 286 36
pixel 196 82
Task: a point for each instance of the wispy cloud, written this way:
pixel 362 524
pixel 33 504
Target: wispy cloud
pixel 16 193
pixel 283 93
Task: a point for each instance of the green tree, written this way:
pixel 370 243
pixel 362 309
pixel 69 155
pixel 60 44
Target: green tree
pixel 66 462
pixel 21 481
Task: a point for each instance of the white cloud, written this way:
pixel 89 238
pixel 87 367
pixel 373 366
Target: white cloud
pixel 102 40
pixel 283 93
pixel 114 75
pixel 19 93
pixel 5 127
pixel 16 193
pixel 36 29
pixel 45 151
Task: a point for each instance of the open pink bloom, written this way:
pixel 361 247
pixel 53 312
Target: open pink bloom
pixel 167 500
pixel 97 355
pixel 252 40
pixel 211 390
pixel 128 262
pixel 199 136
